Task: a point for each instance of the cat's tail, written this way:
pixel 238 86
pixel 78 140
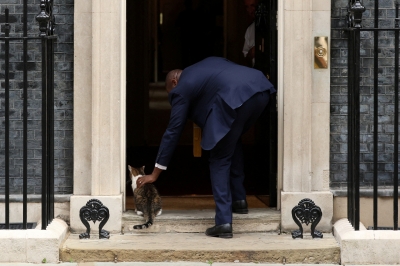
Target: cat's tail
pixel 148 216
pixel 143 226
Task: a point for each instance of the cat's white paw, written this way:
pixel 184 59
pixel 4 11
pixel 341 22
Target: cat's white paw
pixel 159 213
pixel 139 213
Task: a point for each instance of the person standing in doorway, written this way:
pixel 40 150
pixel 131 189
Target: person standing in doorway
pixel 249 37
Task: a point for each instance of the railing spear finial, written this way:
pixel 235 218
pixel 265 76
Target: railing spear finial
pixel 43 18
pixel 357 9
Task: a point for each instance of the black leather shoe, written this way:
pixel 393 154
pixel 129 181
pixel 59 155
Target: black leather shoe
pixel 240 206
pixel 223 231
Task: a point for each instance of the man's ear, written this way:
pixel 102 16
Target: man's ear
pixel 174 83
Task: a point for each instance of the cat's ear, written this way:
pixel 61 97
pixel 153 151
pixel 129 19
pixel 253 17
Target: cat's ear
pixel 143 167
pixel 130 168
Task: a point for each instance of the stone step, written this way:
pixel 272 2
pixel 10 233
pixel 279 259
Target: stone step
pixel 197 221
pixel 196 247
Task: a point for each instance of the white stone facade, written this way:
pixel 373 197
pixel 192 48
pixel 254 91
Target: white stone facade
pixel 99 110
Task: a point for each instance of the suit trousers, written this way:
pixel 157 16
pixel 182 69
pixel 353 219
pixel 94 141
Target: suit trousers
pixel 226 159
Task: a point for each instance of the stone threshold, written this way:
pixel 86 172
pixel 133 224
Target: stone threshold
pixel 197 221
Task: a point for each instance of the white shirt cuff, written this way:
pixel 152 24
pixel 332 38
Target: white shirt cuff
pixel 162 167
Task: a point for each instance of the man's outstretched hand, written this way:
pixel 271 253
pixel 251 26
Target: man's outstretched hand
pixel 141 181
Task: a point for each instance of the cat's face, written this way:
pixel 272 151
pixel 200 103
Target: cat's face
pixel 134 174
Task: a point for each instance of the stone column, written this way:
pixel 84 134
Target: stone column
pixel 99 109
pixel 305 95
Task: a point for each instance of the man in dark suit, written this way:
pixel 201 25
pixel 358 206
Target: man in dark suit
pixel 224 99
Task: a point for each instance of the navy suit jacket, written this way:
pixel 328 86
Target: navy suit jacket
pixel 208 93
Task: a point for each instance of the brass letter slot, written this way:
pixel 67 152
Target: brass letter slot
pixel 320 52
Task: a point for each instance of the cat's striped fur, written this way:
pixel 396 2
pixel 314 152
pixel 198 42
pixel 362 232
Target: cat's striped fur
pixel 147 199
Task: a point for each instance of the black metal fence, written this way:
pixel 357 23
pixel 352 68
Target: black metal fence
pixel 45 40
pixel 354 31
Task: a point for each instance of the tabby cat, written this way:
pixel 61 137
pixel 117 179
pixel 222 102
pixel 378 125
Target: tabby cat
pixel 147 199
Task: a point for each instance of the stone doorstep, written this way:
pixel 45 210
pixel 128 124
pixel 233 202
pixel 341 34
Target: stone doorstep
pixel 197 221
pixel 178 235
pixel 196 247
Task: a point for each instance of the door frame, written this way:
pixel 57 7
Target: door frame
pixel 279 102
pixel 99 82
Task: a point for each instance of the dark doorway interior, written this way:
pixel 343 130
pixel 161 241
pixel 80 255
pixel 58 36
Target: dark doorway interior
pixel 163 35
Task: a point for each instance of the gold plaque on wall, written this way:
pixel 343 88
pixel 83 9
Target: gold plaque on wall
pixel 320 52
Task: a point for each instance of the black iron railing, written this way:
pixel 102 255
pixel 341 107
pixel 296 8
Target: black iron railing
pixel 46 40
pixel 354 30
